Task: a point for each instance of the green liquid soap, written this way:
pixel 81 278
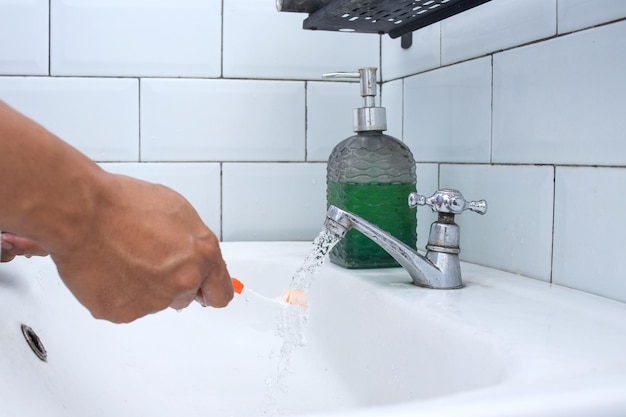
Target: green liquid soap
pixel 384 205
pixel 371 174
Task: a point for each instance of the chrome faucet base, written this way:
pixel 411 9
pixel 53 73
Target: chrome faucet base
pixel 441 267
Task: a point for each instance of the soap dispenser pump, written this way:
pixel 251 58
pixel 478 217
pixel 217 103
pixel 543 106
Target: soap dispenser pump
pixel 371 174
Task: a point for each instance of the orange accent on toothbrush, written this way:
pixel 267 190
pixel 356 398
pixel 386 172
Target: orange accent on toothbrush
pixel 237 285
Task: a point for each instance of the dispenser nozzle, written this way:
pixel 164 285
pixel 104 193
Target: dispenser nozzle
pixel 369 117
pixel 367 76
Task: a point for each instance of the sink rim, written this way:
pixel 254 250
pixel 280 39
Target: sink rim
pixel 565 348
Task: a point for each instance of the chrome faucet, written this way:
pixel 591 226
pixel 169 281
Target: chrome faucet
pixel 440 268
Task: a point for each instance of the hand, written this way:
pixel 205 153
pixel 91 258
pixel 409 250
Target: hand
pixel 13 245
pixel 125 248
pixel 145 249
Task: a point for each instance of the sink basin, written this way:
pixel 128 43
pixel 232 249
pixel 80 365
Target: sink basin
pixel 376 345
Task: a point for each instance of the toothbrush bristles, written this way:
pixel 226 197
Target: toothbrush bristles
pixel 295 296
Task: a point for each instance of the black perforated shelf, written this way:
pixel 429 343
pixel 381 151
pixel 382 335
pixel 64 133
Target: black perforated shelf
pixel 383 16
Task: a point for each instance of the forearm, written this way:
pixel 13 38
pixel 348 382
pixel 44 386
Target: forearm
pixel 48 187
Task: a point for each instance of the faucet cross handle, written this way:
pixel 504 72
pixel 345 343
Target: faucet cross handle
pixel 448 200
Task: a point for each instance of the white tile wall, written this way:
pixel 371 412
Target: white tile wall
pixel 329 116
pixel 424 56
pixel 261 43
pixel 480 125
pixel 496 25
pixel 24 37
pixel 222 120
pixel 392 95
pixel 99 116
pixel 555 106
pixel 588 230
pixel 136 37
pixel 516 232
pixel 447 113
pixel 579 14
pixel 199 183
pixel 273 201
pixel 562 101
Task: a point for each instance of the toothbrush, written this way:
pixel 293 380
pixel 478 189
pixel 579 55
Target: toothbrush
pixel 289 296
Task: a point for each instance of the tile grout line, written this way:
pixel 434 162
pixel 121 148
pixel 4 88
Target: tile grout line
pixel 306 121
pixel 222 43
pixel 556 23
pixel 551 277
pixel 402 119
pixel 491 115
pixel 440 46
pixel 49 38
pixel 139 117
pixel 221 202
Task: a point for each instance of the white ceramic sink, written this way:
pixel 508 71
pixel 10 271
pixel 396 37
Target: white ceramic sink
pixel 376 346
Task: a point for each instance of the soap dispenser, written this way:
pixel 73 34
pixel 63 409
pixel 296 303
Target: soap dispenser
pixel 371 174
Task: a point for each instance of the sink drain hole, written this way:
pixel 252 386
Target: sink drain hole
pixel 34 342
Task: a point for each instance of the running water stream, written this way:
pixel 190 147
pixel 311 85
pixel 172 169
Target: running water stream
pixel 294 318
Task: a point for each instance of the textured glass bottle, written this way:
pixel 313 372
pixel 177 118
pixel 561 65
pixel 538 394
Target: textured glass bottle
pixel 371 174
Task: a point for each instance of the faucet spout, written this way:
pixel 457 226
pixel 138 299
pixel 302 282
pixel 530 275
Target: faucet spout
pixel 442 272
pixel 440 268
